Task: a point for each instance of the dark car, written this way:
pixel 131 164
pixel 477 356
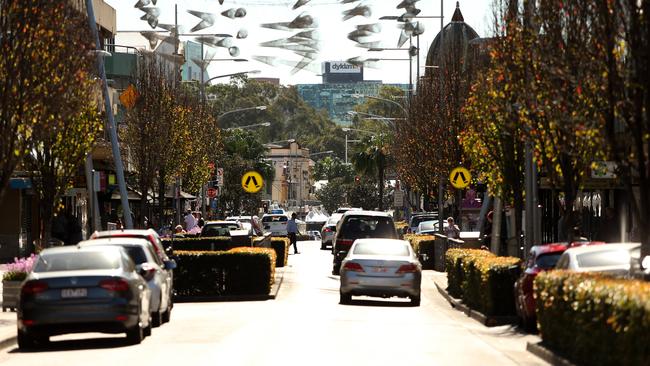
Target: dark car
pixel 541 258
pixel 77 290
pixel 360 225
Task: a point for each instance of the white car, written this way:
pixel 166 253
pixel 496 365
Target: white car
pixel 606 258
pixel 329 229
pixel 155 272
pixel 245 221
pixel 276 224
pixel 429 227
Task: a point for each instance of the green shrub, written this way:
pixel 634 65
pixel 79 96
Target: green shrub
pixel 14 276
pixel 593 319
pixel 482 280
pixel 454 268
pixel 241 271
pixel 423 244
pixel 281 247
pixel 400 226
pixel 217 243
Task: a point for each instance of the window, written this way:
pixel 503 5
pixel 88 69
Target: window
pixel 603 258
pixel 356 227
pixel 388 249
pixel 78 261
pixel 547 261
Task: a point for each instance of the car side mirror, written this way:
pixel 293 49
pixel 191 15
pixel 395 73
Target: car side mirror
pixel 170 264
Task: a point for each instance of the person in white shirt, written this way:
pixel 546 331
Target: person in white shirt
pixel 190 221
pixel 292 232
pixel 452 231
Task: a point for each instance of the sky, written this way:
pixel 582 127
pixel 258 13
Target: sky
pixel 332 31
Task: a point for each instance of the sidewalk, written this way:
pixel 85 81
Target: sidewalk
pixel 7 324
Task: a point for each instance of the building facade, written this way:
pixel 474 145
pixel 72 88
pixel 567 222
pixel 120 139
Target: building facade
pixel 292 183
pixel 341 80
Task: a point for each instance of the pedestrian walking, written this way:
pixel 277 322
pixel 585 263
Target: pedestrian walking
pixel 292 232
pixel 190 220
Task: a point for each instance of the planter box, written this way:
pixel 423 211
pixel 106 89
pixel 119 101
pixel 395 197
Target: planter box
pixel 10 293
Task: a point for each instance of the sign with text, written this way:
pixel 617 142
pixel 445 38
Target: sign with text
pixel 340 67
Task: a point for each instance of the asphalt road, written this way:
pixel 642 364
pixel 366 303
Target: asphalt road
pixel 305 325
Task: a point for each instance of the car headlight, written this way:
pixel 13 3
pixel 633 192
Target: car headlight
pixel 645 263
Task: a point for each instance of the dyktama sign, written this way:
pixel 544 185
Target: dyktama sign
pixel 344 68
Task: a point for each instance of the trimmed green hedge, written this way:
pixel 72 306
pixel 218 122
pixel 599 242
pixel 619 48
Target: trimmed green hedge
pixel 482 280
pixel 281 247
pixel 423 244
pixel 240 271
pixel 594 320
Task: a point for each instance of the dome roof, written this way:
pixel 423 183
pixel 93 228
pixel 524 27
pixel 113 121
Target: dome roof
pixel 457 37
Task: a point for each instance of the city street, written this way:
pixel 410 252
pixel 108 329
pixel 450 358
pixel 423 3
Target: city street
pixel 304 325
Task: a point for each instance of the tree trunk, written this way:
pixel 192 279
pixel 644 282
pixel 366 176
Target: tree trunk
pixel 162 199
pixel 381 188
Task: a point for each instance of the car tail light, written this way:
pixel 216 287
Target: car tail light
pixel 354 267
pixel 121 318
pixel 407 268
pixel 117 285
pixel 327 230
pixel 34 287
pixel 344 243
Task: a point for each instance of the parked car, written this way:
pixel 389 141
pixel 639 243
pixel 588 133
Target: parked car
pixel 359 225
pixel 346 209
pixel 155 272
pixel 148 234
pixel 612 259
pixel 540 258
pixel 429 227
pixel 245 221
pixel 381 268
pixel 329 229
pixel 76 289
pixel 220 228
pixel 419 217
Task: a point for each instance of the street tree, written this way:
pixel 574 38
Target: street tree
pixel 330 168
pixel 371 158
pixel 242 151
pixel 332 194
pixel 494 139
pixel 66 119
pixel 38 69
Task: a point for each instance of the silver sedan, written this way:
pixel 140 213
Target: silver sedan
pixel 381 268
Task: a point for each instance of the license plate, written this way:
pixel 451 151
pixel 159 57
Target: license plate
pixel 381 269
pixel 71 293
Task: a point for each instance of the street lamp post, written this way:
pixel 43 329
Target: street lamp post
pixel 406 113
pixel 263 124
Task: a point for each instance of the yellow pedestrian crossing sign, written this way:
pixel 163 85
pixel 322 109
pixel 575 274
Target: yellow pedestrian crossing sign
pixel 252 182
pixel 460 178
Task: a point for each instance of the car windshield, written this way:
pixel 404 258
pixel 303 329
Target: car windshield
pixel 386 249
pixel 548 261
pixel 218 229
pixel 77 261
pixel 368 227
pixel 602 258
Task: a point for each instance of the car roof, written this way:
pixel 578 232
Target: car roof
pixel 221 222
pixel 548 248
pixel 143 232
pixel 367 213
pixel 604 247
pixel 115 241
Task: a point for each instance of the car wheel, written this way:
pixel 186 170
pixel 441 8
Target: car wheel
pixel 134 335
pixel 146 332
pixel 345 298
pixel 167 314
pixel 157 318
pixel 415 300
pixel 25 340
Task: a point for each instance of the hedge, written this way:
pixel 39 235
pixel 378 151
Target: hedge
pixel 281 247
pixel 482 280
pixel 423 244
pixel 400 225
pixel 593 319
pixel 240 271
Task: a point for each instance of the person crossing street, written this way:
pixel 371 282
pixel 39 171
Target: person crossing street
pixel 292 232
